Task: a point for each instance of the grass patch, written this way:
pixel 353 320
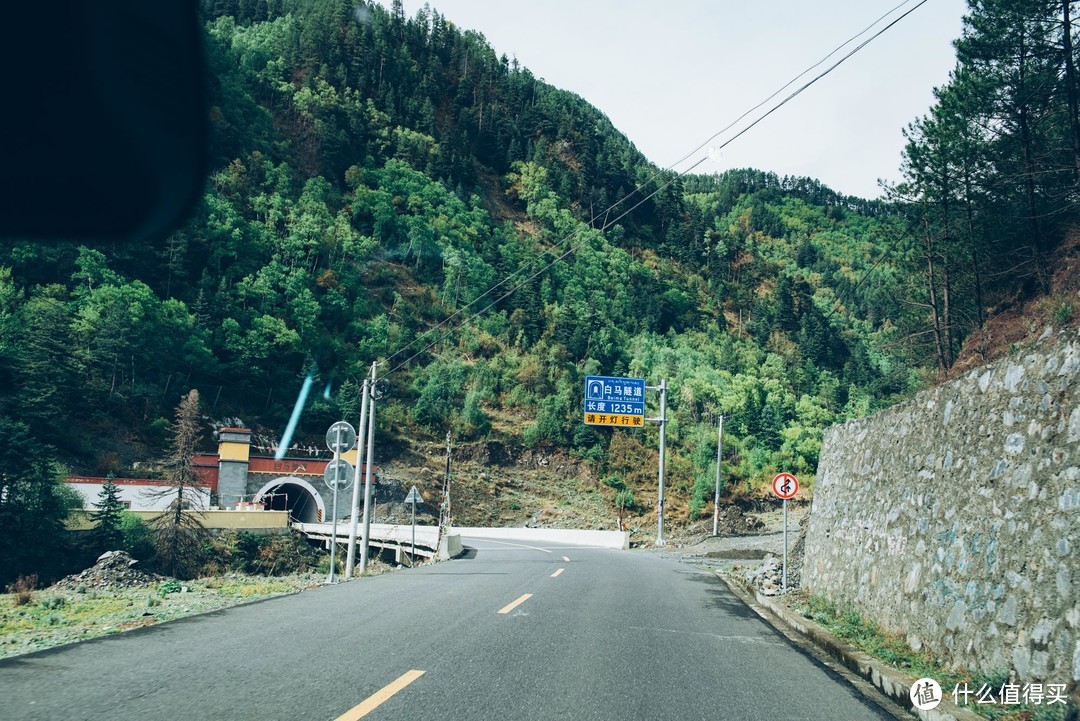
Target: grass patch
pixel 64 617
pixel 845 623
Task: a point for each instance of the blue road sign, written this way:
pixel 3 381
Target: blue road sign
pixel 614 401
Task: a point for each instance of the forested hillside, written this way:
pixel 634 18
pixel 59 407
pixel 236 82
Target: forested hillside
pixel 375 175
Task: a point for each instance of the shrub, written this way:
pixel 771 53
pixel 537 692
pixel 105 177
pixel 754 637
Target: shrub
pixel 53 603
pixel 138 538
pixel 625 499
pixel 614 481
pixel 170 586
pixel 285 554
pixel 23 588
pixel 248 552
pixel 339 562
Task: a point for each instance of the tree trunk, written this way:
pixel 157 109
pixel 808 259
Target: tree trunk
pixel 935 319
pixel 973 246
pixel 1070 83
pixel 1029 184
pixel 947 303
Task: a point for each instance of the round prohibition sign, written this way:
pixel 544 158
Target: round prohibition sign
pixel 785 485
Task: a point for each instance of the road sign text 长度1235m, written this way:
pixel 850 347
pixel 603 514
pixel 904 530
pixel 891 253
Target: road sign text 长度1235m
pixel 614 401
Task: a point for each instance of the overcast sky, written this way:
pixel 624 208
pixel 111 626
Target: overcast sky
pixel 670 75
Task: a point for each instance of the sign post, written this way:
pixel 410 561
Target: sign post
pixel 620 402
pixel 413 498
pixel 785 486
pixel 339 438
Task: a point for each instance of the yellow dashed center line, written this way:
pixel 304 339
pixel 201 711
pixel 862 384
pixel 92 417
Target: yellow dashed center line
pixel 379 697
pixel 511 606
pixel 556 574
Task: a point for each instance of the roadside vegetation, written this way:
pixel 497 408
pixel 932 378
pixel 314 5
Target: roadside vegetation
pixel 845 623
pixel 31 620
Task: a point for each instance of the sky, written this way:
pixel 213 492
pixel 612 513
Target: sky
pixel 670 76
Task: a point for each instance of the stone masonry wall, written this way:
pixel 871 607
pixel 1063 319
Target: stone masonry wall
pixel 954 518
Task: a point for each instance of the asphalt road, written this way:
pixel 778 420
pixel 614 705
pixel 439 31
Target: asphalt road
pixel 614 635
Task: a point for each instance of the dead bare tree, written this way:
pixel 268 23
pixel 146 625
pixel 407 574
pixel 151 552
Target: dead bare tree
pixel 179 535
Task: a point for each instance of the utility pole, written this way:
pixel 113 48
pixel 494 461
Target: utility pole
pixel 716 498
pixel 367 478
pixel 663 464
pixel 350 563
pixel 444 520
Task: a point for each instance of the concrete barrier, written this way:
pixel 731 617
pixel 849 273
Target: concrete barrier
pixel 450 546
pixel 603 539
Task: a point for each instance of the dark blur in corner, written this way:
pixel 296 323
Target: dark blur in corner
pixel 105 132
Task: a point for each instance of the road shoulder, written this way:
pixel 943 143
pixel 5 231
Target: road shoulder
pixel 872 677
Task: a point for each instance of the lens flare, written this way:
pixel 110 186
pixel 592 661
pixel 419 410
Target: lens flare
pixel 301 399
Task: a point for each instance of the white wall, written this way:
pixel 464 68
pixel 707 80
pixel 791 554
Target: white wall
pixel 140 497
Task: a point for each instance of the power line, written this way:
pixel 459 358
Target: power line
pixel 822 74
pixel 791 82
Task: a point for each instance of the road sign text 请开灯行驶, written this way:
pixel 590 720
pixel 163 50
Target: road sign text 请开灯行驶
pixel 601 419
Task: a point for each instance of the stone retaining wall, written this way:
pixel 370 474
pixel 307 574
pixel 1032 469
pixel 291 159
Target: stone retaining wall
pixel 954 519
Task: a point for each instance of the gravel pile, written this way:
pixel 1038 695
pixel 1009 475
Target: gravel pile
pixel 114 569
pixel 767 577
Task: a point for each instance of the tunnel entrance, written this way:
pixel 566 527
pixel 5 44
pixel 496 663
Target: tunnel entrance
pixel 294 495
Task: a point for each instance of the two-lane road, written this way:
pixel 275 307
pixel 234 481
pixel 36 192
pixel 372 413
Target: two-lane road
pixel 513 630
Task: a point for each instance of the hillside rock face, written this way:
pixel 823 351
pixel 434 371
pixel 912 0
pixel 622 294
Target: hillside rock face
pixel 954 518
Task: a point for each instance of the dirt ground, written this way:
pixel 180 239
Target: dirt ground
pixel 699 547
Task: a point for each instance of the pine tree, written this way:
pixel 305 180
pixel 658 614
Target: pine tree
pixel 106 534
pixel 34 501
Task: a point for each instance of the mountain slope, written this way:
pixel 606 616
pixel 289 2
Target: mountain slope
pixel 374 176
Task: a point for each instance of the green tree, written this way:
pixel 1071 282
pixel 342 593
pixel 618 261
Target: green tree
pixel 34 502
pixel 107 535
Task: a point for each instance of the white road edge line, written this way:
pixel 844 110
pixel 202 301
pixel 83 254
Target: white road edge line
pixel 566 559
